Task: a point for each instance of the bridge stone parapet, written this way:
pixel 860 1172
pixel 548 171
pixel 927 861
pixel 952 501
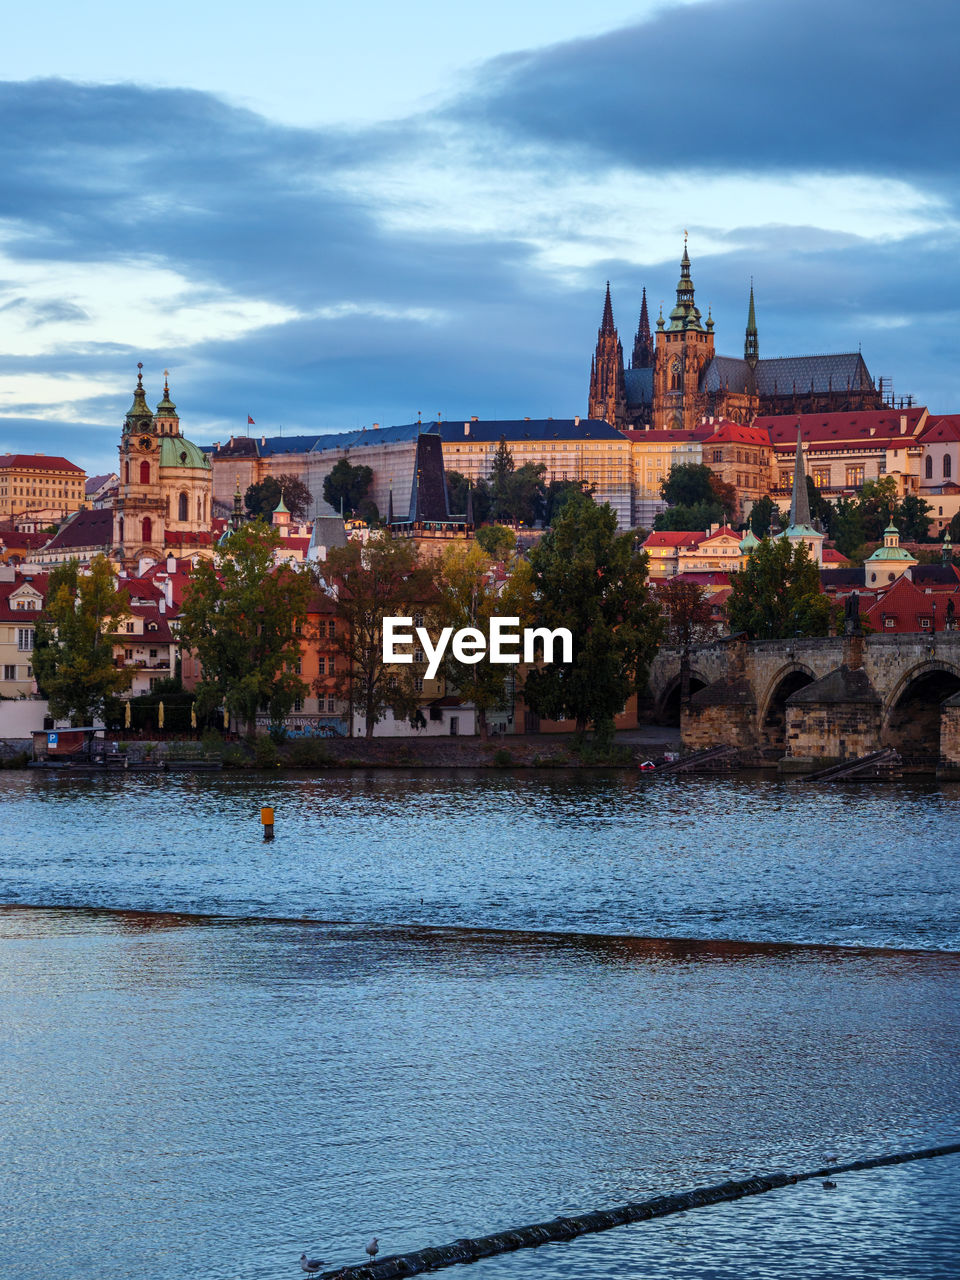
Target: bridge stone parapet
pixel 793 699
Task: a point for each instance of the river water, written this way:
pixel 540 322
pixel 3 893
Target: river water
pixel 441 1006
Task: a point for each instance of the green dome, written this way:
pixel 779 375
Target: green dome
pixel 749 541
pixel 177 451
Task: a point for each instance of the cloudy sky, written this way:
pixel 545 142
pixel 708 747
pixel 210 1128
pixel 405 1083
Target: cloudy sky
pixel 326 216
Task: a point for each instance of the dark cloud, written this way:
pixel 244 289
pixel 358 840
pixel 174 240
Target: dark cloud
pixel 854 86
pixel 33 314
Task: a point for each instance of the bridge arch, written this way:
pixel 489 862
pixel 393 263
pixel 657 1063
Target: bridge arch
pixel 667 707
pixel 911 711
pixel 772 712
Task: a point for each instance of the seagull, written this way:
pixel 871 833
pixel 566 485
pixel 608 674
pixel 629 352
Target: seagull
pixel 310 1264
pixel 829 1186
pixel 373 1248
pixel 831 1159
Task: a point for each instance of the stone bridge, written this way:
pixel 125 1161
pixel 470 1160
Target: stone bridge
pixel 808 702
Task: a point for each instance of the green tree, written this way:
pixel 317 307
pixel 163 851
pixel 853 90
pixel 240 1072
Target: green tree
pixel 73 646
pixel 378 580
pixel 877 501
pixel 912 518
pixel 700 516
pixel 347 485
pixel 496 540
pixel 516 494
pixel 849 533
pixel 689 621
pixel 241 616
pixel 559 492
pixel 762 515
pixel 593 580
pixel 777 594
pixel 468 595
pixel 263 498
pixel 458 487
pixel 687 484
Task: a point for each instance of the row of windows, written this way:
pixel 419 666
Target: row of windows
pixel 928 467
pixel 10 671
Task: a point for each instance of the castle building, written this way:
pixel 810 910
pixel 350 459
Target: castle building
pixel 676 378
pixel 165 486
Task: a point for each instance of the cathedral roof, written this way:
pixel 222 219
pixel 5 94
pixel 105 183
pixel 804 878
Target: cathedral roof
pixel 780 376
pixel 639 386
pixel 727 373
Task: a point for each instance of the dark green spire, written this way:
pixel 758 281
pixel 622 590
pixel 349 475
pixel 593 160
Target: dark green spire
pixel 751 346
pixel 139 417
pixel 166 408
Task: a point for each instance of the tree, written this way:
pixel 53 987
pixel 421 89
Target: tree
pixel 559 492
pixel 778 594
pixel 726 495
pixel 378 580
pixel 849 534
pixel 762 514
pixel 516 494
pixel 591 579
pixel 820 508
pixel 496 540
pixel 458 487
pixel 347 486
pixel 262 499
pixel 241 616
pixel 700 516
pixel 687 484
pixel 468 595
pixel 877 502
pixel 73 647
pixel 912 518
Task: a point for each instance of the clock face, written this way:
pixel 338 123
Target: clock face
pixel 144 442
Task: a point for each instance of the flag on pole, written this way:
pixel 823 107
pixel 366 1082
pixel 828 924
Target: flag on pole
pixel 250 421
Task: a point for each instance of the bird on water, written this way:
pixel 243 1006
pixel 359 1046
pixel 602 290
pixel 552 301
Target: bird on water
pixel 310 1264
pixel 829 1186
pixel 373 1248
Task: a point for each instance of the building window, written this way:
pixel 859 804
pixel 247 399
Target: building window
pixel 144 472
pixel 182 507
pixel 147 528
pixel 924 624
pixel 321 666
pixel 153 653
pixel 128 654
pixel 946 466
pixel 418 655
pixel 331 629
pixel 855 476
pixel 821 477
pixel 130 627
pixel 718 455
pixel 331 705
pixel 298 704
pixel 25 639
pixel 928 467
pixel 784 479
pixel 418 684
pixel 9 672
pixel 418 622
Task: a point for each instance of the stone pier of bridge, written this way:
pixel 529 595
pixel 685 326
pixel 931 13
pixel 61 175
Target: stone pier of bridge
pixel 805 703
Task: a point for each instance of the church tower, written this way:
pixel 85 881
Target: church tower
pixel 684 348
pixel 643 342
pixel 751 345
pixel 608 393
pixel 138 513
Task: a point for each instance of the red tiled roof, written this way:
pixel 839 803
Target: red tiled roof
pixel 8 614
pixel 842 428
pixel 942 429
pixel 724 431
pixel 88 528
pixel 37 461
pixel 901 608
pixel 723 532
pixel 704 579
pixel 674 538
pixel 834 557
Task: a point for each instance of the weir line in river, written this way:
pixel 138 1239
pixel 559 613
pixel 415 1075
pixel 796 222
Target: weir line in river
pixel 568 1228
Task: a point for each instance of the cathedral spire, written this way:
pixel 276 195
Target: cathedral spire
pixel 751 346
pixel 643 343
pixel 607 401
pixel 139 417
pixel 685 314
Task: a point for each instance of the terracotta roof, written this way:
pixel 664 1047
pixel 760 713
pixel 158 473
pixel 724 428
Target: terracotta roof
pixel 659 437
pixel 7 589
pixel 836 559
pixel 714 579
pixel 845 428
pixel 674 538
pixel 37 462
pixel 902 608
pixel 724 431
pixel 723 532
pixel 944 428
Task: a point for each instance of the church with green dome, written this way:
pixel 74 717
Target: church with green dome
pixel 166 486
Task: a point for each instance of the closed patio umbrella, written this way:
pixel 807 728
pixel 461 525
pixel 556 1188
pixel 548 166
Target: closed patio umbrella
pixel 193 715
pixel 126 714
pixel 159 715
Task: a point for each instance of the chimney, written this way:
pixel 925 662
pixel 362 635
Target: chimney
pixel 576 421
pixel 466 428
pixel 263 442
pixel 171 563
pixel 903 424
